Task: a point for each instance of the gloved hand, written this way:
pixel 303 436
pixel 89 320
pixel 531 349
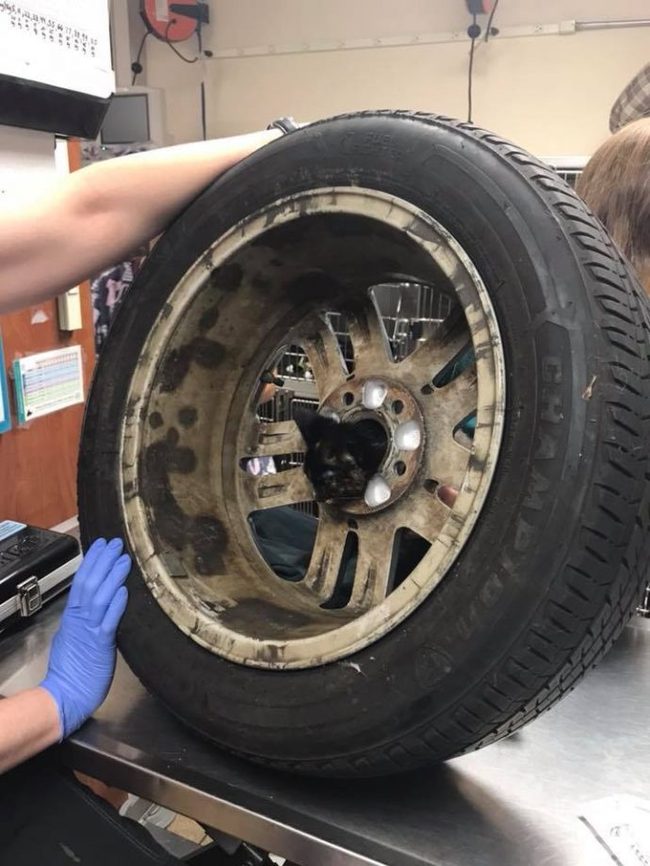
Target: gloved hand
pixel 82 656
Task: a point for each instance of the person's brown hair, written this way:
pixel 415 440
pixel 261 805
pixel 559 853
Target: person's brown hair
pixel 616 186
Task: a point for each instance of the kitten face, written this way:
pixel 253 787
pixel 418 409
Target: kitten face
pixel 340 458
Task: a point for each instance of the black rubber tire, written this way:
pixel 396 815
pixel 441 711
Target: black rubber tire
pixel 560 554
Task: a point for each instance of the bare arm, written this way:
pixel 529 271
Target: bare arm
pixel 97 216
pixel 29 723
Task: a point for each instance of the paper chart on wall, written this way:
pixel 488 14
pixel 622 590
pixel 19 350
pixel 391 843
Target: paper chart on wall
pixel 62 43
pixel 47 382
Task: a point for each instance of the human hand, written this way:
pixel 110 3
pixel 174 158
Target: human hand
pixel 286 125
pixel 83 652
pixel 270 385
pixel 448 495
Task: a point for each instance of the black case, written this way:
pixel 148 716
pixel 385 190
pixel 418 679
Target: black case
pixel 35 566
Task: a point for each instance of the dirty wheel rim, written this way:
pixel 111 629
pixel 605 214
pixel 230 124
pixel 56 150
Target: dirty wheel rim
pixel 235 605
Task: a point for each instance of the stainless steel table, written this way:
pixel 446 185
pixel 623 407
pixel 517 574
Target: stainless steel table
pixel 513 804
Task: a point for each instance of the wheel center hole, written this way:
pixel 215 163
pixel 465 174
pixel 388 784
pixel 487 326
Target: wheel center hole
pixel 371 444
pixel 344 458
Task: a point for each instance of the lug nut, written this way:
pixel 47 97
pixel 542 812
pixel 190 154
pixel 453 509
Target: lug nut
pixel 408 436
pixel 377 492
pixel 374 394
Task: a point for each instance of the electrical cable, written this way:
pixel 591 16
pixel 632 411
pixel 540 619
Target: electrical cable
pixel 173 47
pixel 488 29
pixel 474 31
pixel 136 68
pixel 204 120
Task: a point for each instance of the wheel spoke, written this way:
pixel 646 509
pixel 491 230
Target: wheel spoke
pixel 374 564
pixel 270 491
pixel 432 356
pixel 325 563
pixel 455 401
pixel 269 438
pixel 324 354
pixel 445 460
pixel 427 515
pixel 369 340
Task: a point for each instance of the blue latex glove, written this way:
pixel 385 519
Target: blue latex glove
pixel 82 657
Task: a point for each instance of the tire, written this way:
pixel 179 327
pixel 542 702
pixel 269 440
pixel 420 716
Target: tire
pixel 558 556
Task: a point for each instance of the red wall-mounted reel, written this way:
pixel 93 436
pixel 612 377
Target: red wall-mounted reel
pixel 480 7
pixel 174 22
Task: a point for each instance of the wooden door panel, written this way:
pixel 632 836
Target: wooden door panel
pixel 38 461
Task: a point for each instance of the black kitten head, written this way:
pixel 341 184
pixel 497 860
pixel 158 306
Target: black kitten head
pixel 340 458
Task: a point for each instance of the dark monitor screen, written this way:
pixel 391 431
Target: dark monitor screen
pixel 127 120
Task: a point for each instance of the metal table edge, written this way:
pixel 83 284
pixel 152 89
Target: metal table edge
pixel 180 793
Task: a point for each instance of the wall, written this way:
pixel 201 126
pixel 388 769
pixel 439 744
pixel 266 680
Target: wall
pixel 257 22
pixel 551 94
pixel 38 461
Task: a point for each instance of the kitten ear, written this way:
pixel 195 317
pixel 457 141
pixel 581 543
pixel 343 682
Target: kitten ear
pixel 311 424
pixel 306 420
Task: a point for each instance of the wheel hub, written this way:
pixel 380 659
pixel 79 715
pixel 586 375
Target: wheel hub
pixel 390 405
